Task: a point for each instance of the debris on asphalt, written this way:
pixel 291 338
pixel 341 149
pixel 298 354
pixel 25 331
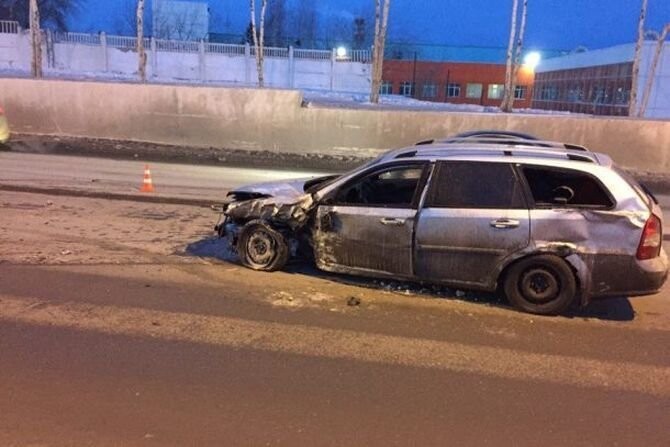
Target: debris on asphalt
pixel 353 301
pixel 284 299
pixel 319 297
pixel 66 252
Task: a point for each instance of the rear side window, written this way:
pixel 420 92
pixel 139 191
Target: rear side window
pixel 565 187
pixel 464 184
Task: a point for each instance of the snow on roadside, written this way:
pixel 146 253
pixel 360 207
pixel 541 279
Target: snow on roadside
pixel 391 102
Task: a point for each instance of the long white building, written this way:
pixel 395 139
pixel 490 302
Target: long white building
pixel 599 81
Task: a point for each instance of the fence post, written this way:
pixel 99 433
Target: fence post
pixel 201 60
pixel 103 45
pixel 333 55
pixel 291 67
pixel 247 57
pixel 154 57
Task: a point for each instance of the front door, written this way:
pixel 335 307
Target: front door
pixel 366 226
pixel 475 216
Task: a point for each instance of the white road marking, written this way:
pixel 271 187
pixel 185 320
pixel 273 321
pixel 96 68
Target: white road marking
pixel 341 344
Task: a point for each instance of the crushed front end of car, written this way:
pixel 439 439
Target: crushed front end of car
pixel 268 223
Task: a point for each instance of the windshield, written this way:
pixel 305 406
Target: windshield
pixel 321 182
pixel 315 184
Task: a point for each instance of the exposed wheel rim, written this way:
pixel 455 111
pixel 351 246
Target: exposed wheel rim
pixel 539 285
pixel 260 248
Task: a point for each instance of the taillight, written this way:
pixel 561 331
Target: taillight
pixel 2 112
pixel 651 240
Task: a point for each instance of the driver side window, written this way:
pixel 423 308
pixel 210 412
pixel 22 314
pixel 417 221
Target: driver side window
pixel 391 187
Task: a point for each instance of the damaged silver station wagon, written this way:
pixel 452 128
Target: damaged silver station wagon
pixel 545 223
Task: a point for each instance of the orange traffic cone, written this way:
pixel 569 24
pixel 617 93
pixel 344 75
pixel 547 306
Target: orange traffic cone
pixel 147 184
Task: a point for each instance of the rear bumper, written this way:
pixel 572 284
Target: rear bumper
pixel 642 278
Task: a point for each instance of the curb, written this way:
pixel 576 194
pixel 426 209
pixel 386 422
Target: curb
pixel 109 196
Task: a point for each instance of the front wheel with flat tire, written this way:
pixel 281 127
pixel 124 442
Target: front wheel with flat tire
pixel 261 247
pixel 543 284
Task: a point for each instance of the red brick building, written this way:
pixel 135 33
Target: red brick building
pixel 454 82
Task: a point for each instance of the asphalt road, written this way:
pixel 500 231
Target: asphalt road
pixel 125 177
pixel 126 323
pixel 159 355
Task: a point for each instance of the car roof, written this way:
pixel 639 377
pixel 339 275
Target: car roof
pixel 500 146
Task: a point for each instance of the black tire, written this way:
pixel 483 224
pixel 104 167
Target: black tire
pixel 261 247
pixel 543 285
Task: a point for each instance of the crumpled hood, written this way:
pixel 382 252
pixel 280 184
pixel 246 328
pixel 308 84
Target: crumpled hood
pixel 285 189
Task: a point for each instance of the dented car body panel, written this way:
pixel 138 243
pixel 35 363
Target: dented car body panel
pixel 375 241
pixel 462 218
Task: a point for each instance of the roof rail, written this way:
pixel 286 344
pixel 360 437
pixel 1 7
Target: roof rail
pixel 495 134
pixel 504 149
pixel 516 142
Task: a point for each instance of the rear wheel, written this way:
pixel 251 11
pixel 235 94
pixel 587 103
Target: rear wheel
pixel 542 284
pixel 261 247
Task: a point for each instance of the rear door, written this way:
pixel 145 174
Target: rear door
pixel 367 225
pixel 475 215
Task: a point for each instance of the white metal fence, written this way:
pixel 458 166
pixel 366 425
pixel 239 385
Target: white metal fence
pixel 105 56
pixel 181 46
pixel 77 38
pixel 312 54
pixel 226 48
pixel 9 27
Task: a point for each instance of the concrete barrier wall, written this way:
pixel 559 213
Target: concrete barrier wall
pixel 272 119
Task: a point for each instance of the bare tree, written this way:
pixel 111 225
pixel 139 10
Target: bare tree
pixel 381 24
pixel 360 32
pixel 258 37
pixel 509 64
pixel 632 105
pixel 336 30
pixel 125 22
pixel 302 22
pixel 35 39
pixel 507 104
pixel 275 23
pixel 652 70
pixel 178 24
pixel 141 53
pixel 53 12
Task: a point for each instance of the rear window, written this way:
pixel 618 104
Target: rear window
pixel 552 187
pixel 464 184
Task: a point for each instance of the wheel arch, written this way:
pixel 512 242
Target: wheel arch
pixel 576 263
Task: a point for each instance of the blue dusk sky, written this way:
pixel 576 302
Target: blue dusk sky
pixel 552 24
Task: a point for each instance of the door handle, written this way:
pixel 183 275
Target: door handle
pixel 505 223
pixel 392 221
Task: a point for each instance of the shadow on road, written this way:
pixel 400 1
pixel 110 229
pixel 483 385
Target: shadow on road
pixel 212 248
pixel 613 309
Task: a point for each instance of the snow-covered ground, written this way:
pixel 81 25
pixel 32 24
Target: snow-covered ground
pixel 390 102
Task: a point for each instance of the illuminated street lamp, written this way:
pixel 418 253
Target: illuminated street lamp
pixel 341 52
pixel 532 60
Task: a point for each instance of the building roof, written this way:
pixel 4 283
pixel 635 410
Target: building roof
pixel 618 54
pixel 448 53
